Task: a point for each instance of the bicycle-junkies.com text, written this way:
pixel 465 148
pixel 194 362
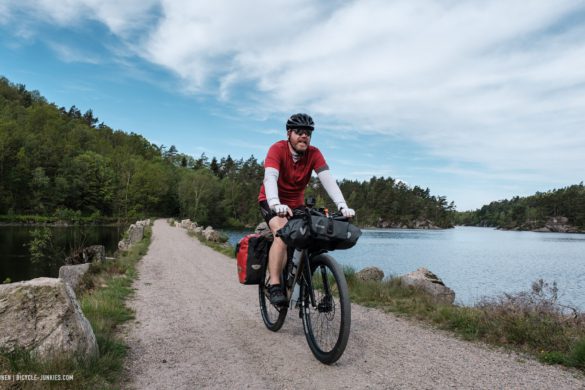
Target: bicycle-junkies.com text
pixel 35 377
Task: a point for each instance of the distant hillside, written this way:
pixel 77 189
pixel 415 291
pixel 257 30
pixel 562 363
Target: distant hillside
pixel 557 210
pixel 66 164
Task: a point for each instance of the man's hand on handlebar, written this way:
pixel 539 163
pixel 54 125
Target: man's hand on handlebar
pixel 282 210
pixel 346 211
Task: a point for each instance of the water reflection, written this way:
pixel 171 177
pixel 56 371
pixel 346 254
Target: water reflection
pixel 15 248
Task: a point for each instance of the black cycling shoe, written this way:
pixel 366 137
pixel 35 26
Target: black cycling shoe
pixel 277 297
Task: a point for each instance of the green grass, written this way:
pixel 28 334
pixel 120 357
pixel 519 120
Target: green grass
pixel 221 247
pixel 102 295
pixel 530 322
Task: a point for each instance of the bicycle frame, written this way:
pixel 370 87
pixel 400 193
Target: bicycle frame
pixel 302 275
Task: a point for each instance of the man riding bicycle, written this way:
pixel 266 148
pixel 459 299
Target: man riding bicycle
pixel 287 171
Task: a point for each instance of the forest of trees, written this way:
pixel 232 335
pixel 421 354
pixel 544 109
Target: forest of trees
pixel 67 164
pixel 531 212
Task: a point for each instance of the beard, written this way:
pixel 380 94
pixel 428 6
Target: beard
pixel 299 146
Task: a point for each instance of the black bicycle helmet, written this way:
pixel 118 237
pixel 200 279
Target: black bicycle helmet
pixel 300 121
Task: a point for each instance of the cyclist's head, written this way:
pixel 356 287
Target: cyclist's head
pixel 300 121
pixel 299 129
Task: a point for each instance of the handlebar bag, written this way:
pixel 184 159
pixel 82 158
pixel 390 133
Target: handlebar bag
pixel 328 233
pixel 319 232
pixel 296 233
pixel 252 256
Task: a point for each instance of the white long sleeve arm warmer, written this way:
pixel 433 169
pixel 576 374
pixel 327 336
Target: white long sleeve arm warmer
pixel 271 186
pixel 332 188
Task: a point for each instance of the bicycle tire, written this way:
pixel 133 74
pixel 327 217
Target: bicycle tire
pixel 327 325
pixel 272 316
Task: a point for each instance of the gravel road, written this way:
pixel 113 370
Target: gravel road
pixel 197 327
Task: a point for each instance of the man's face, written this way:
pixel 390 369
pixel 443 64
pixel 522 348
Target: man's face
pixel 300 142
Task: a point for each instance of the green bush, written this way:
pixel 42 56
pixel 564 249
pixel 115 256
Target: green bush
pixel 68 215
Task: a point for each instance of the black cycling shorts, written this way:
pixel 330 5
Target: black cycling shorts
pixel 267 212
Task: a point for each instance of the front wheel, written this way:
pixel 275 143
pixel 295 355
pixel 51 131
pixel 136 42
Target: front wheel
pixel 327 323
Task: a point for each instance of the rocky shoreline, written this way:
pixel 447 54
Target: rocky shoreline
pixel 416 224
pixel 552 225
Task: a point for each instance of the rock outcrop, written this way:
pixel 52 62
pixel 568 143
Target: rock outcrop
pixel 415 224
pixel 42 316
pixel 558 225
pixel 370 274
pixel 430 283
pixel 552 224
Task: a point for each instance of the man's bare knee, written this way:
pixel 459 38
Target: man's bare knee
pixel 277 223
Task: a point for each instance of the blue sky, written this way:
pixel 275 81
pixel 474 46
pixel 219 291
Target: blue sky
pixel 478 101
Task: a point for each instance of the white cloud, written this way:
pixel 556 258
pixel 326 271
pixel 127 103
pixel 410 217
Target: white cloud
pixel 4 13
pixel 121 17
pixel 496 83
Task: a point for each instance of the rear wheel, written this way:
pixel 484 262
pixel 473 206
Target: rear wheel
pixel 327 324
pixel 272 316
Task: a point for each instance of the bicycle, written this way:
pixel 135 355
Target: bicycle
pixel 316 285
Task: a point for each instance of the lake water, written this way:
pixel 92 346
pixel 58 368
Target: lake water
pixel 15 260
pixel 476 262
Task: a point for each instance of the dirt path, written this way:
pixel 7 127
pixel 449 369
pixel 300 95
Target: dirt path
pixel 197 327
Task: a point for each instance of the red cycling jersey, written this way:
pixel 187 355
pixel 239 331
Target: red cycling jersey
pixel 293 176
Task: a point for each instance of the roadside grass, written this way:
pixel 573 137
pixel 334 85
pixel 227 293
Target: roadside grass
pixel 102 294
pixel 529 322
pixel 221 247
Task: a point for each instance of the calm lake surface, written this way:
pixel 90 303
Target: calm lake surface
pixel 476 262
pixel 15 261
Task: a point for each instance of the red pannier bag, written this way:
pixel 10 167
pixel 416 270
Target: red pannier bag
pixel 252 256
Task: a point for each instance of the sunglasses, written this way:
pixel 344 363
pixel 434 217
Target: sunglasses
pixel 306 132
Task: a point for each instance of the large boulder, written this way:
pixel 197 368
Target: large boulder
pixel 124 245
pixel 185 223
pixel 370 274
pixel 430 283
pixel 95 253
pixel 213 235
pixel 135 234
pixel 42 316
pixel 143 223
pixel 72 274
pixel 90 254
